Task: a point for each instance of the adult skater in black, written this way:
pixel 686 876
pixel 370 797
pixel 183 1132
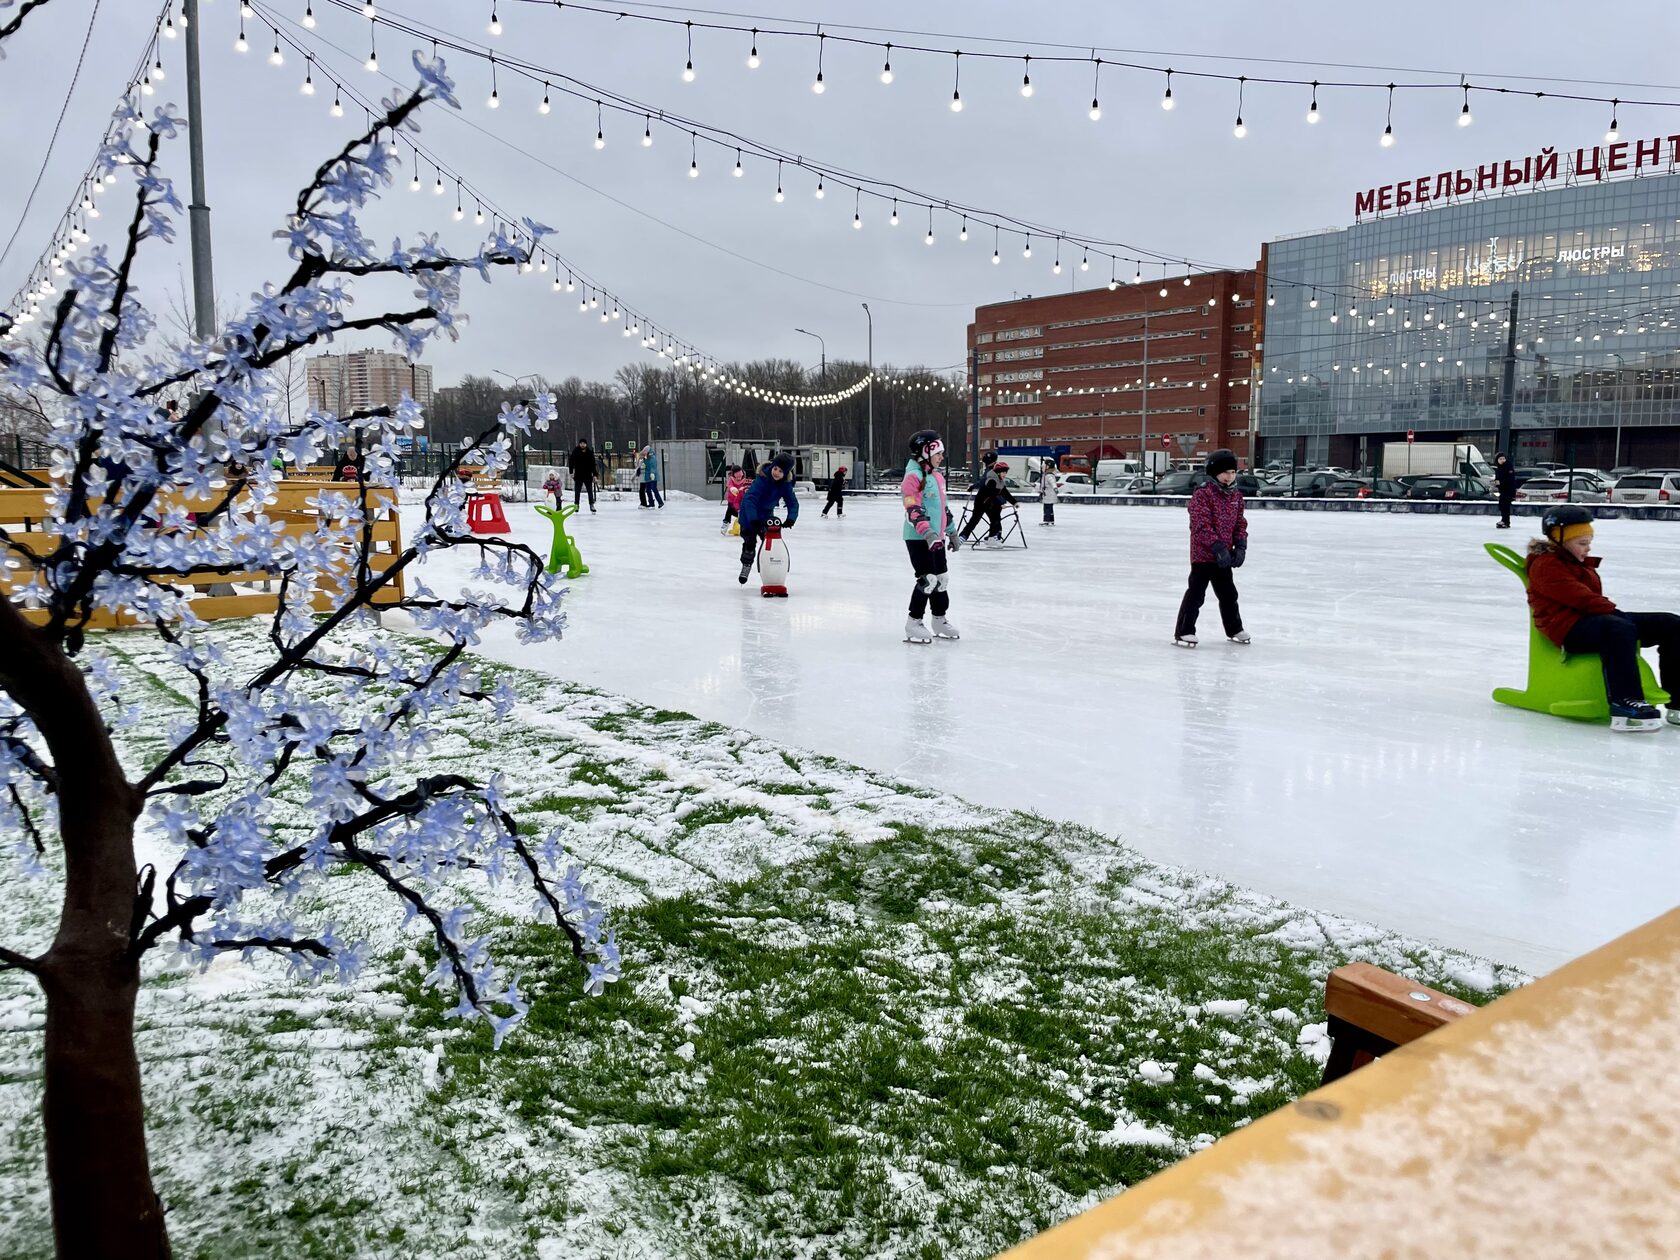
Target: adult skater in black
pixel 582 465
pixel 1505 482
pixel 985 505
pixel 836 493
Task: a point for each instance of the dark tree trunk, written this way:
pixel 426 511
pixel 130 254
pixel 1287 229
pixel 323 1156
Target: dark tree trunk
pixel 104 1207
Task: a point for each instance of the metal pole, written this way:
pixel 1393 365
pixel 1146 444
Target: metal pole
pixel 1507 393
pixel 974 411
pixel 869 458
pixel 198 211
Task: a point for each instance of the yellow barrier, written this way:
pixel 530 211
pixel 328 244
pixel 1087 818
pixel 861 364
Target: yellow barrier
pixel 22 512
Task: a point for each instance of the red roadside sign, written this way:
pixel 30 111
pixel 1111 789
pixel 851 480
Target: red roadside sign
pixel 1411 435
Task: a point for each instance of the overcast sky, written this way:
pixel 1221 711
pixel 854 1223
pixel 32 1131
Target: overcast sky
pixel 716 260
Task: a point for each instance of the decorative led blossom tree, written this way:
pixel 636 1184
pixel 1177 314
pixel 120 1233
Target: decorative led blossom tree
pixel 142 496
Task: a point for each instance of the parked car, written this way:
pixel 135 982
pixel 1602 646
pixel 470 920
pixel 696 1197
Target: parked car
pixel 1178 483
pixel 1076 483
pixel 1123 485
pixel 1529 474
pixel 1383 488
pixel 1643 487
pixel 1302 485
pixel 1348 488
pixel 1446 488
pixel 1560 490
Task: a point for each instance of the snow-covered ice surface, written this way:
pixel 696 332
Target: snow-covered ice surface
pixel 1350 760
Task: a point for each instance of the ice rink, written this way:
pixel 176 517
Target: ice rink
pixel 1350 760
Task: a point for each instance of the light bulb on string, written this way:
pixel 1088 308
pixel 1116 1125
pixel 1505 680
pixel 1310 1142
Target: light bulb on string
pixel 1614 134
pixel 600 128
pixel 886 68
pixel 1026 76
pixel 752 57
pixel 240 44
pixel 157 70
pixel 276 58
pixel 1464 114
pixel 1167 99
pixel 543 105
pixel 1186 275
pixel 372 62
pixel 1239 131
pixel 146 88
pixel 1314 303
pixel 647 131
pixel 169 24
pixel 693 157
pixel 996 257
pixel 1026 251
pixel 368 11
pixel 929 239
pixel 779 196
pixel 1056 270
pixel 414 184
pixel 739 169
pixel 1084 260
pixel 894 219
pixel 309 16
pixel 688 68
pixel 1096 85
pixel 1137 276
pixel 437 185
pixel 817 86
pixel 478 216
pixel 956 84
pixel 857 209
pixel 1113 281
pixel 459 212
pixel 495 20
pixel 1312 109
pixel 337 110
pixel 495 101
pixel 308 88
pixel 1388 129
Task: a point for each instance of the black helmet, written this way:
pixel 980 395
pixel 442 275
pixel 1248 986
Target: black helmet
pixel 784 461
pixel 988 457
pixel 922 441
pixel 1558 519
pixel 1220 461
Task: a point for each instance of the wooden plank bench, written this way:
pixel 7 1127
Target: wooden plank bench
pixel 216 596
pixel 1373 1011
pixel 1542 1125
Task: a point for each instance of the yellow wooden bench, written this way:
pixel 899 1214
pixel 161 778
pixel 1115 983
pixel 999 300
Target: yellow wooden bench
pixel 1542 1126
pixel 1373 1011
pixel 22 512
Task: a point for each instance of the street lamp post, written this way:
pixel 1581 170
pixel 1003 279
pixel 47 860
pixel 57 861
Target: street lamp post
pixel 869 455
pixel 822 375
pixel 1621 366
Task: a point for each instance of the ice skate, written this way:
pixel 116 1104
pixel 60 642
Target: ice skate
pixel 1672 716
pixel 1241 636
pixel 916 632
pixel 1634 715
pixel 943 629
pixel 746 571
pixel 1184 640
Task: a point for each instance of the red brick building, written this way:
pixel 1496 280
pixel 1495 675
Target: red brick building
pixel 1104 371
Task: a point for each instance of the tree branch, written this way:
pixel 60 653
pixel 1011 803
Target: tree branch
pixel 19 962
pixel 11 27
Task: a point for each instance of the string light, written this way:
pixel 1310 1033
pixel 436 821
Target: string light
pixel 817 86
pixel 600 128
pixel 929 240
pixel 739 171
pixel 647 131
pixel 886 69
pixel 778 179
pixel 956 84
pixel 1239 131
pixel 157 70
pixel 337 105
pixel 372 62
pixel 437 186
pixel 752 57
pixel 309 17
pixel 368 10
pixel 240 45
pixel 277 58
pixel 1388 130
pixel 1312 110
pixel 459 213
pixel 543 107
pixel 996 257
pixel 688 69
pixel 693 157
pixel 1027 251
pixel 820 194
pixel 1464 114
pixel 495 21
pixel 495 101
pixel 1614 134
pixel 1026 76
pixel 478 218
pixel 894 219
pixel 1057 269
pixel 857 208
pixel 1084 261
pixel 169 24
pixel 1096 84
pixel 1167 100
pixel 963 234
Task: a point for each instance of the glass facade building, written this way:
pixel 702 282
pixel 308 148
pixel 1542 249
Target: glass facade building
pixel 1400 323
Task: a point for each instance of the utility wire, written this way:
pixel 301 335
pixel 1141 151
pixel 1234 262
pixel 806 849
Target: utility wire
pixel 53 140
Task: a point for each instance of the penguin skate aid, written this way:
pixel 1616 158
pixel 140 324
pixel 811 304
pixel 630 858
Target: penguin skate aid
pixel 768 504
pixel 929 533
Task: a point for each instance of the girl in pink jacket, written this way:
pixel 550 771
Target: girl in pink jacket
pixel 1218 545
pixel 734 486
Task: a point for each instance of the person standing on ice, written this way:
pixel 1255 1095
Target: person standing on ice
pixel 734 486
pixel 1218 544
pixel 1567 599
pixel 649 462
pixel 772 488
pixel 836 493
pixel 581 464
pixel 1047 492
pixel 928 530
pixel 1505 481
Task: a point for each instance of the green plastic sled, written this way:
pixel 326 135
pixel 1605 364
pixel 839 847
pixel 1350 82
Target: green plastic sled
pixel 564 553
pixel 1558 683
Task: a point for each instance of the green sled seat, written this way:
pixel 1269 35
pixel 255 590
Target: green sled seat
pixel 1559 683
pixel 564 553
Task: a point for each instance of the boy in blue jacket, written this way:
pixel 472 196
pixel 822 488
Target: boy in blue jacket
pixel 772 487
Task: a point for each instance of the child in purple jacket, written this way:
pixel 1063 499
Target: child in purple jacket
pixel 1218 544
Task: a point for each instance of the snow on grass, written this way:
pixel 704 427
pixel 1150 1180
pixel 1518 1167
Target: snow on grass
pixel 857 1019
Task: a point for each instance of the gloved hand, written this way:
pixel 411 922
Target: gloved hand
pixel 936 543
pixel 1239 553
pixel 956 542
pixel 1222 555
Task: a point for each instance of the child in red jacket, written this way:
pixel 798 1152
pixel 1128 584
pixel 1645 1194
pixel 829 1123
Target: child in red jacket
pixel 1569 608
pixel 1218 544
